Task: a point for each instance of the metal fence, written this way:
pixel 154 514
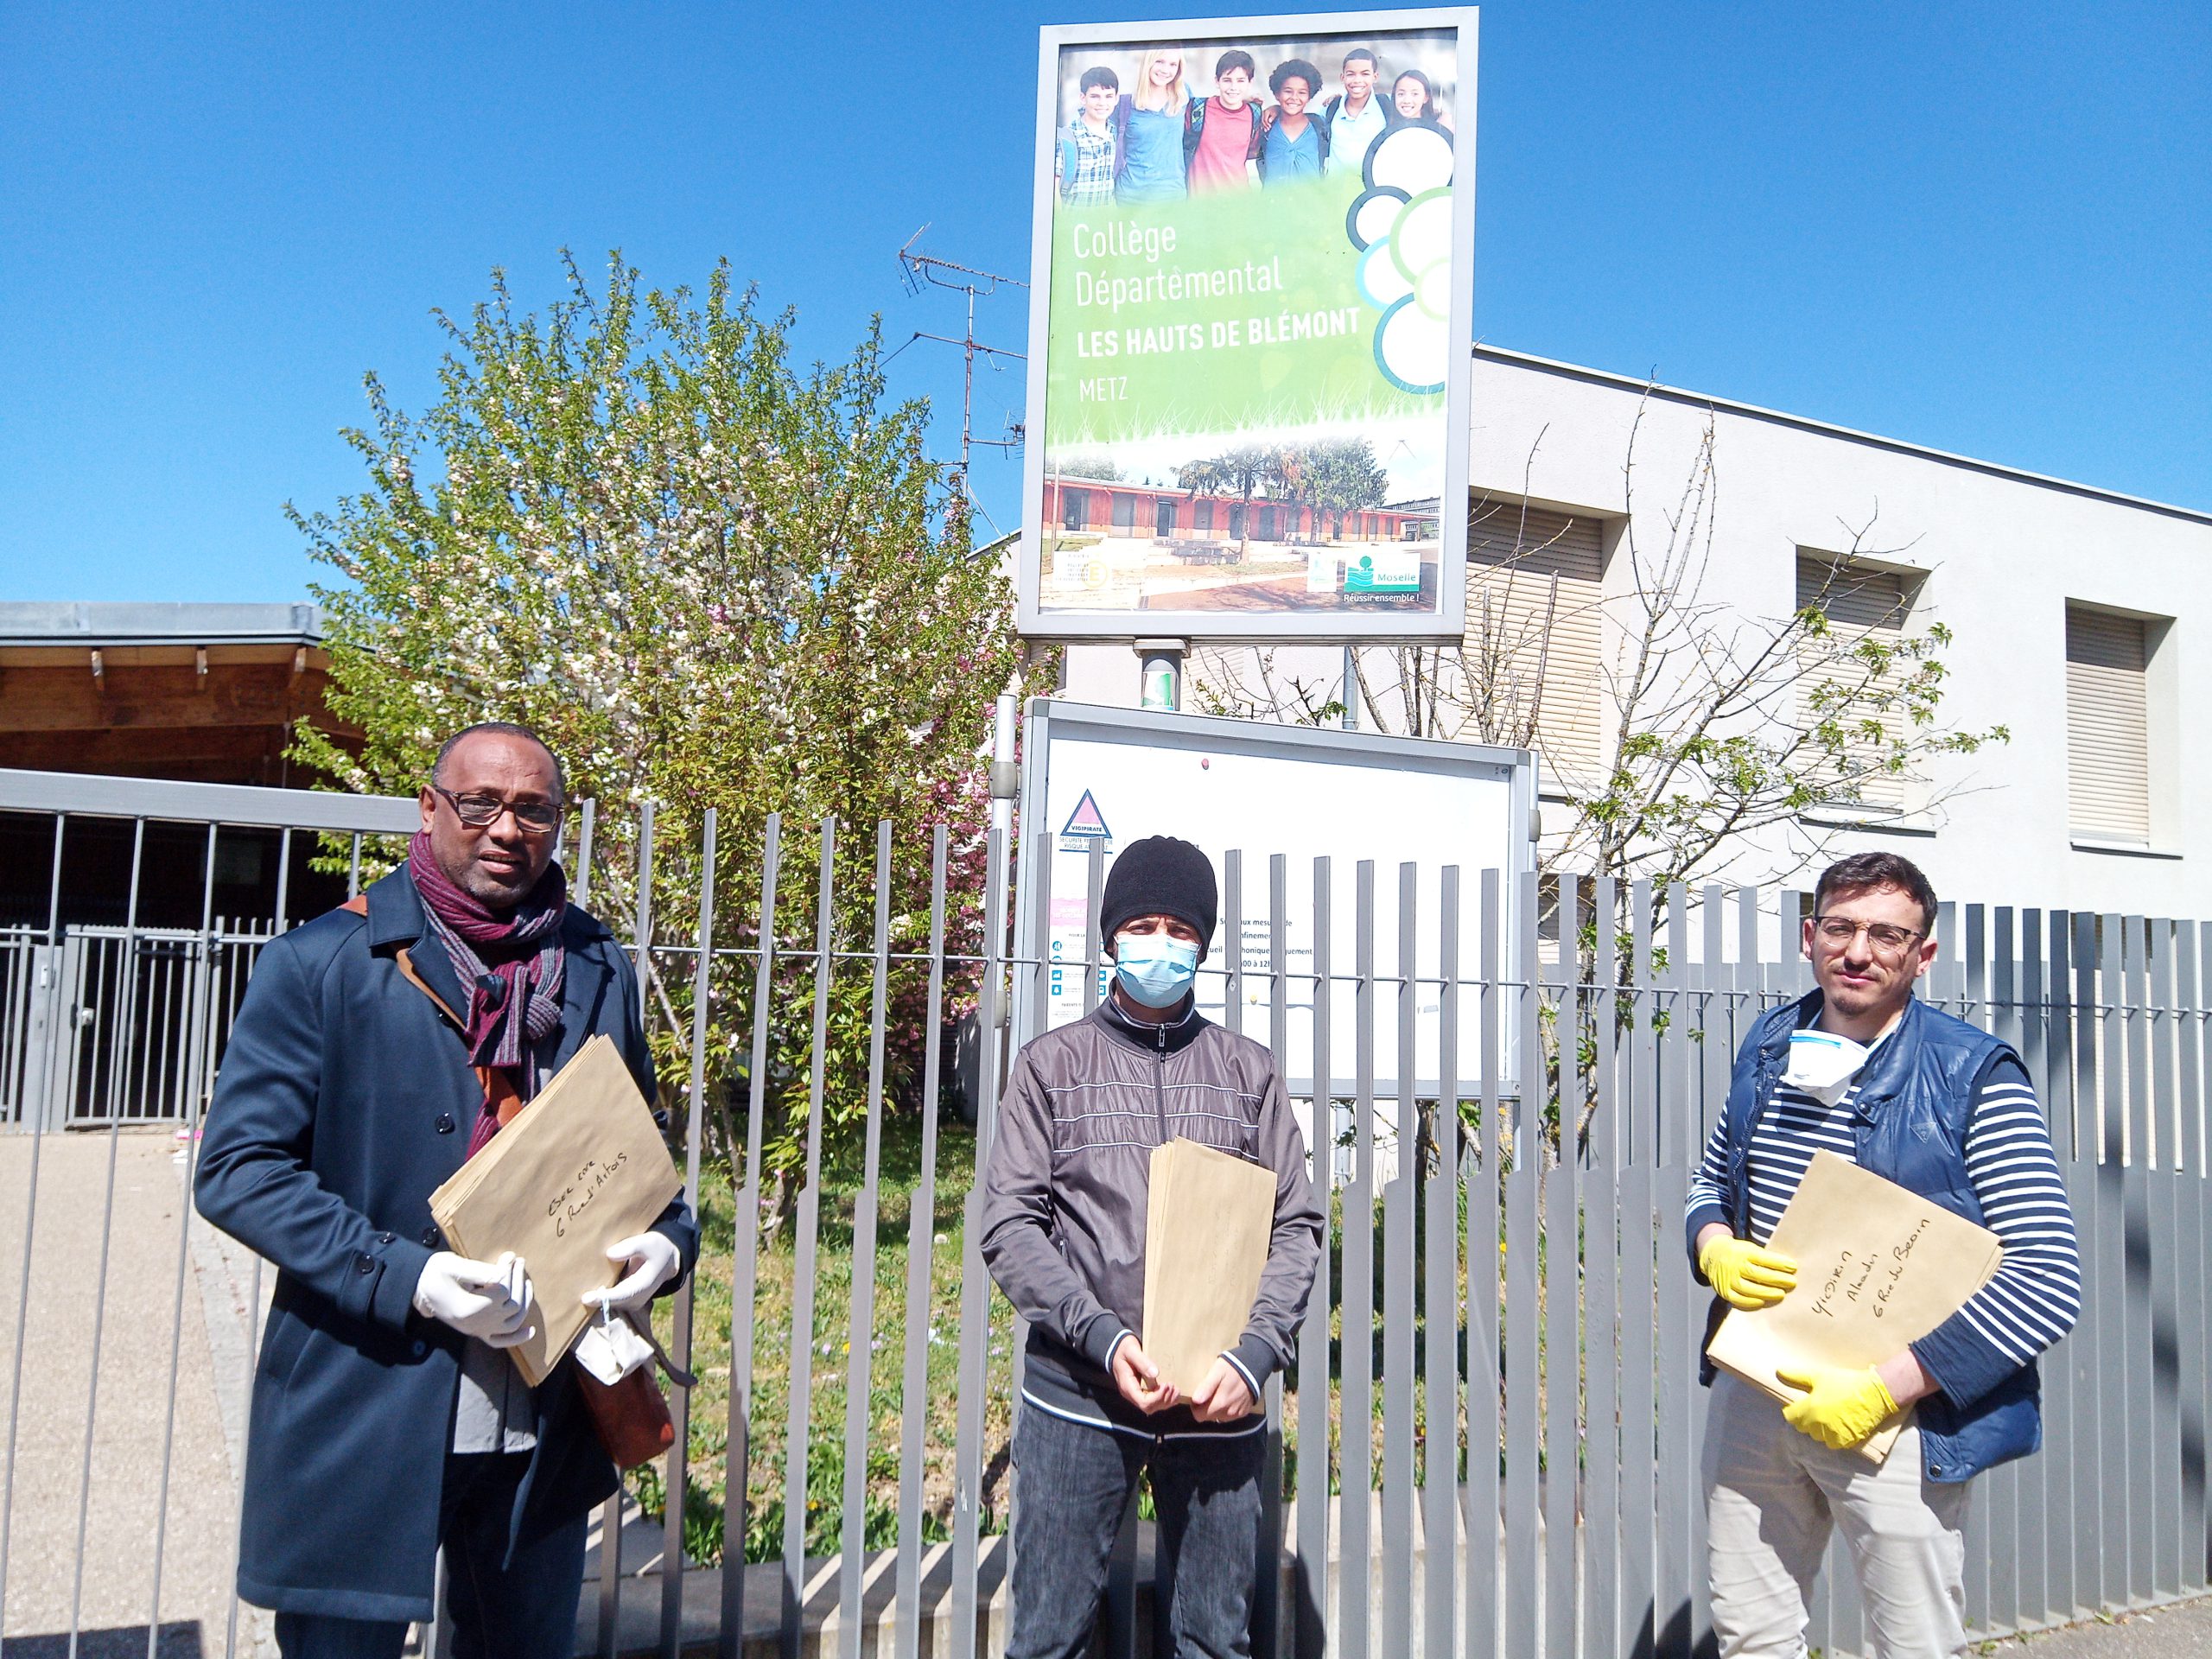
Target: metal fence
pixel 1488 1440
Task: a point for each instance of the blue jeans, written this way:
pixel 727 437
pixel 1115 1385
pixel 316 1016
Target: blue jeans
pixel 1074 1481
pixel 523 1609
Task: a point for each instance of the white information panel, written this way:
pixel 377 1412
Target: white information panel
pixel 1107 776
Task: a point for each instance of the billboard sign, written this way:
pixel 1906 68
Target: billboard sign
pixel 1250 328
pixel 1096 779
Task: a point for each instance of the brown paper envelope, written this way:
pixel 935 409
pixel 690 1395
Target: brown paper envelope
pixel 1878 1267
pixel 580 1167
pixel 1208 1220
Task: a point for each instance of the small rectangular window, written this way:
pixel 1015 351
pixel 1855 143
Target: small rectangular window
pixel 2107 727
pixel 1202 515
pixel 1125 509
pixel 1075 509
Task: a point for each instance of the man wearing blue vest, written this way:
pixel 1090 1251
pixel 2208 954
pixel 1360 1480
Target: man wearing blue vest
pixel 1860 1068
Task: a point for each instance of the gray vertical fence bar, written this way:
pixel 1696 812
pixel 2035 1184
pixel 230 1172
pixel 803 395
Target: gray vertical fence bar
pixel 1638 1293
pixel 859 1339
pixel 1311 1622
pixel 2011 1022
pixel 191 1155
pixel 2000 1498
pixel 1266 1598
pixel 2165 1255
pixel 1562 1297
pixel 798 1421
pixel 2053 1494
pixel 1676 1145
pixel 641 938
pixel 1524 1404
pixel 2129 1057
pixel 1601 1542
pixel 587 818
pixel 1398 1602
pixel 1485 1381
pixel 921 1238
pixel 1232 940
pixel 737 1467
pixel 2120 1543
pixel 1095 890
pixel 677 1479
pixel 974 1284
pixel 33 1120
pixel 1356 1567
pixel 107 1234
pixel 2189 1357
pixel 1441 1304
pixel 2078 993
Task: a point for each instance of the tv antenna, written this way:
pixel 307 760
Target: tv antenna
pixel 922 270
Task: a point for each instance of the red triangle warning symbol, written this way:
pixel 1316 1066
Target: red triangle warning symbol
pixel 1087 820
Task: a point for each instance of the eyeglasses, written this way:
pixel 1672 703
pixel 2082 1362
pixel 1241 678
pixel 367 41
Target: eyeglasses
pixel 481 811
pixel 1886 938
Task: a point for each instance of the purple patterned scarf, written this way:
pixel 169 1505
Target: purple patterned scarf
pixel 512 965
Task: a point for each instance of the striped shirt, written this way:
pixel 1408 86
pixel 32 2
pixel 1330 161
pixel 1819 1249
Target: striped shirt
pixel 2037 1293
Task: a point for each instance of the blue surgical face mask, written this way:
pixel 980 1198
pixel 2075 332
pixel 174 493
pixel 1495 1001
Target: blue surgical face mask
pixel 1155 968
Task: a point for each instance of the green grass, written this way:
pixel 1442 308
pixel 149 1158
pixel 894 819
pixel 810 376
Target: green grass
pixel 827 1358
pixel 706 1523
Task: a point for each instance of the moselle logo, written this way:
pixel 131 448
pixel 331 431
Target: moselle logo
pixel 1386 570
pixel 1086 827
pixel 1401 224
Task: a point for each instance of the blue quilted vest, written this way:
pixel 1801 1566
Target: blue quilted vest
pixel 1911 1126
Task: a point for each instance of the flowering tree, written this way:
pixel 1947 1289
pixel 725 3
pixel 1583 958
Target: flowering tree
pixel 710 580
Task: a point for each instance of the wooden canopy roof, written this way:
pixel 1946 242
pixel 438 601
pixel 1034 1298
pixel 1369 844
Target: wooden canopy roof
pixel 203 693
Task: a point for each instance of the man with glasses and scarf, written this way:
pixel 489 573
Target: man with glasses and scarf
pixel 378 1049
pixel 1861 1068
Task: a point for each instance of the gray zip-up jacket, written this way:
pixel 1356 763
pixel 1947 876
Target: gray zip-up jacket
pixel 1065 1193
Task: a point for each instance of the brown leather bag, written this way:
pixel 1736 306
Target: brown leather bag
pixel 631 1416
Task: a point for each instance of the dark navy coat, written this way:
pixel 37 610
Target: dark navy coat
pixel 345 1099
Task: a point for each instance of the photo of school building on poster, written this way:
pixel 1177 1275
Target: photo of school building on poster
pixel 1140 546
pixel 1252 249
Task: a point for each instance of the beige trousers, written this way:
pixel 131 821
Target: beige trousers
pixel 1772 1497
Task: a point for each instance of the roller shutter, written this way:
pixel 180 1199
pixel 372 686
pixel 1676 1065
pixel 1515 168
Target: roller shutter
pixel 1861 602
pixel 2108 728
pixel 1534 581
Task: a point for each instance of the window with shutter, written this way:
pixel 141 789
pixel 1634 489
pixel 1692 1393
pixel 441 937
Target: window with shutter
pixel 1860 601
pixel 2107 727
pixel 1534 625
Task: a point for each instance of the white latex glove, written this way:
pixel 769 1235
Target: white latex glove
pixel 649 1262
pixel 491 1301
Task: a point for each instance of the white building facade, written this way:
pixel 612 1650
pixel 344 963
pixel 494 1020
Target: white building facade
pixel 2081 620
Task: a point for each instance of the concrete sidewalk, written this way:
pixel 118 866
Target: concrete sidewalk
pixel 2181 1632
pixel 146 1249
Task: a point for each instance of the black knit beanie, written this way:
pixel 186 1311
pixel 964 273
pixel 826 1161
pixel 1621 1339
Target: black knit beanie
pixel 1160 876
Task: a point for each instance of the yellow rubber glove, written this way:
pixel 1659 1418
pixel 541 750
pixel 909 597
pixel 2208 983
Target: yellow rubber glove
pixel 1841 1408
pixel 1746 1275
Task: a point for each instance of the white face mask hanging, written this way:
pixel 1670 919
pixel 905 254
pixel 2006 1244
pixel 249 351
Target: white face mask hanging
pixel 1823 1065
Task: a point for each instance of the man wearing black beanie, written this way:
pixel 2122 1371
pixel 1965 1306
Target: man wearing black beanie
pixel 1064 1220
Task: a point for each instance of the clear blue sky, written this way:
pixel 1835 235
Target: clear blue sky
pixel 1984 227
